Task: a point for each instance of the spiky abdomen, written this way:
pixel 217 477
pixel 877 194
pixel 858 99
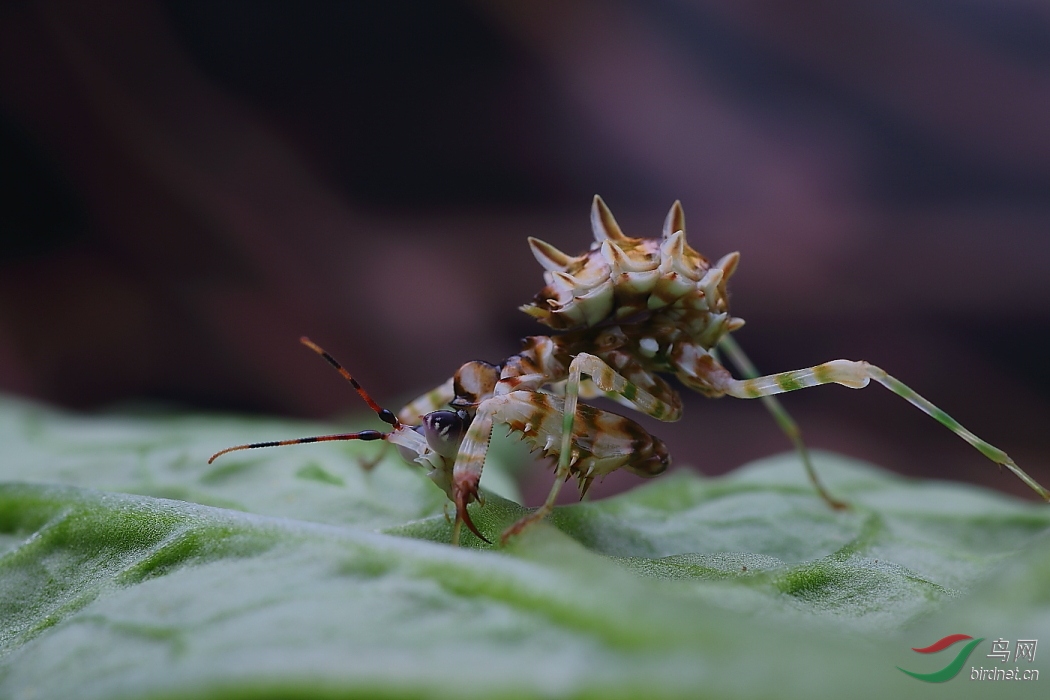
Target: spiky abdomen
pixel 621 276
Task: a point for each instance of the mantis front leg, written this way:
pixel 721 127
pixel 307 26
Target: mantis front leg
pixel 855 375
pixel 470 460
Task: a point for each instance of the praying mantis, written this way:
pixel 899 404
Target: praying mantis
pixel 625 312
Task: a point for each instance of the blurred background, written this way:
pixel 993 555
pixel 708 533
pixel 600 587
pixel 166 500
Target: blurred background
pixel 188 187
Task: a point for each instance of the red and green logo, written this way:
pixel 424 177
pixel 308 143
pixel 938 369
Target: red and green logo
pixel 952 669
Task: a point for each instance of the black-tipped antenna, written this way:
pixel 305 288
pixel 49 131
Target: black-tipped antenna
pixel 363 435
pixel 385 415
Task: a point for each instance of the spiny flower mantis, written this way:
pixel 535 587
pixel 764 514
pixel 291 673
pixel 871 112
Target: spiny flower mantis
pixel 629 310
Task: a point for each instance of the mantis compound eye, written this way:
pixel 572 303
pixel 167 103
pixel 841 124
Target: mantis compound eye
pixel 444 430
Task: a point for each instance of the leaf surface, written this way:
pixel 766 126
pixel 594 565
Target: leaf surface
pixel 129 568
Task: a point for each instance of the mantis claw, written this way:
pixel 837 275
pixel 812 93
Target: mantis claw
pixel 465 491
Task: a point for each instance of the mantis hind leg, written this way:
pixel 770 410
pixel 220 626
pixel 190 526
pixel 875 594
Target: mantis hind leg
pixel 857 375
pixel 787 424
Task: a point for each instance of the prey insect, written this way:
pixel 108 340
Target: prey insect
pixel 628 310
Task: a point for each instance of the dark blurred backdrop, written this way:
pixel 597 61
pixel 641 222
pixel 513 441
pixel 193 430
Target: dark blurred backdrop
pixel 188 187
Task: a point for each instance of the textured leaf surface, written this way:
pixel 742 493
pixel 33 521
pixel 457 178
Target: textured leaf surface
pixel 295 573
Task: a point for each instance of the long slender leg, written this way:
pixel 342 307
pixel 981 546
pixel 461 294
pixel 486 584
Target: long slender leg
pixel 587 389
pixel 609 381
pixel 634 372
pixel 787 424
pixel 855 375
pixel 657 399
pixel 566 457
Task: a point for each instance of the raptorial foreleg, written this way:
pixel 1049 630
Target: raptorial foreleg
pixel 855 375
pixel 470 461
pixel 780 414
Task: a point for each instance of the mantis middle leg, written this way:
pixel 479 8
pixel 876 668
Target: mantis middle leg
pixel 608 380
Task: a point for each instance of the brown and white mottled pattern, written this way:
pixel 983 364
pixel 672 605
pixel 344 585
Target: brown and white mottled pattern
pixel 672 309
pixel 621 276
pixel 438 397
pixel 601 441
pixel 630 309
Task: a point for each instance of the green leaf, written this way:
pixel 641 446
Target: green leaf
pixel 296 573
